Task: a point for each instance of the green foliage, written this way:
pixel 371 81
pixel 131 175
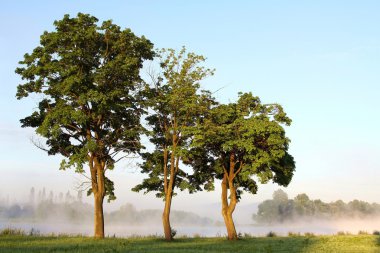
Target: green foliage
pixel 176 102
pixel 252 135
pixel 88 78
pixel 109 189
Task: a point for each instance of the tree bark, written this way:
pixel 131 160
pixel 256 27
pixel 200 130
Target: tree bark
pixel 166 216
pixel 98 189
pixel 228 208
pixel 168 196
pixel 169 185
pixel 98 217
pixel 168 199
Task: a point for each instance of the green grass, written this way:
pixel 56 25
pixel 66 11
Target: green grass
pixel 325 244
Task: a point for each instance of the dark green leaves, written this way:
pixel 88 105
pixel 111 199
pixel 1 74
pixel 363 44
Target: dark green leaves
pixel 88 76
pixel 252 135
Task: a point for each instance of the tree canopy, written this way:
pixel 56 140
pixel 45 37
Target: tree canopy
pixel 239 143
pixel 87 76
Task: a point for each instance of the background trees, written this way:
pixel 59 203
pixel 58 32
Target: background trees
pixel 240 141
pixel 278 209
pixel 301 207
pixel 176 103
pixel 88 78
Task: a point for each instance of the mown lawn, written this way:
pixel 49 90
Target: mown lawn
pixel 338 243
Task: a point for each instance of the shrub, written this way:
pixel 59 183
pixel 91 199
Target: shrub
pixel 292 234
pixel 248 235
pixel 271 234
pixel 12 231
pixel 196 235
pixel 173 232
pixel 34 232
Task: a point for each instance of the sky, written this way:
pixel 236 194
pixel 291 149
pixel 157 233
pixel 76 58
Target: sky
pixel 319 59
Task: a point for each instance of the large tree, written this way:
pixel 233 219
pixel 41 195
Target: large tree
pixel 239 143
pixel 87 77
pixel 175 104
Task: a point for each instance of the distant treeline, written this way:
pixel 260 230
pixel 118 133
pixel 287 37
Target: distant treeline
pixel 282 209
pixel 67 208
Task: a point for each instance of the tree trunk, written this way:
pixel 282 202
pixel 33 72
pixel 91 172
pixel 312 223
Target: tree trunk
pixel 99 218
pixel 98 189
pixel 228 208
pixel 230 226
pixel 166 217
pixel 168 188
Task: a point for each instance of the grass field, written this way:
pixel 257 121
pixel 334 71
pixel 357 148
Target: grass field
pixel 337 243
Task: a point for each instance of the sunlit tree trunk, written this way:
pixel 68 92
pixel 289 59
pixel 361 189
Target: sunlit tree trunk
pixel 98 189
pixel 168 188
pixel 99 218
pixel 228 208
pixel 166 217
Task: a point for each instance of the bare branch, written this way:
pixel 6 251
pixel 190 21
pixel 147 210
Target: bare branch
pixel 37 143
pixel 127 156
pixel 219 89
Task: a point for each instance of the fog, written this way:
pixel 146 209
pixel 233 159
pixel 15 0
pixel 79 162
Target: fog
pixel 47 212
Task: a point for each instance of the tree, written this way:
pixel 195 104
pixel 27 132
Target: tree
pixel 275 210
pixel 280 196
pixel 176 102
pixel 268 212
pixel 31 196
pixel 238 142
pixel 88 76
pixel 303 205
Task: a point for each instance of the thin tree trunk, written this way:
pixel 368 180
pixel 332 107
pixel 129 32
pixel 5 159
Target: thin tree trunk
pixel 169 186
pixel 228 208
pixel 168 198
pixel 168 201
pixel 166 217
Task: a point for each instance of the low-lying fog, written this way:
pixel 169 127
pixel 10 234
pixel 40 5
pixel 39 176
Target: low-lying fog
pixel 315 227
pixel 48 213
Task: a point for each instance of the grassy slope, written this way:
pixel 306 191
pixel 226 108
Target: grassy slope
pixel 325 244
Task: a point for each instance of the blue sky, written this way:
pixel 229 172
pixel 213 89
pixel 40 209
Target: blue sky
pixel 319 59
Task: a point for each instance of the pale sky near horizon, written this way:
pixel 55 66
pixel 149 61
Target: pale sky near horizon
pixel 319 59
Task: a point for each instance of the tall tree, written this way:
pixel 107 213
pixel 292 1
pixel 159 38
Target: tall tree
pixel 176 102
pixel 237 143
pixel 88 76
